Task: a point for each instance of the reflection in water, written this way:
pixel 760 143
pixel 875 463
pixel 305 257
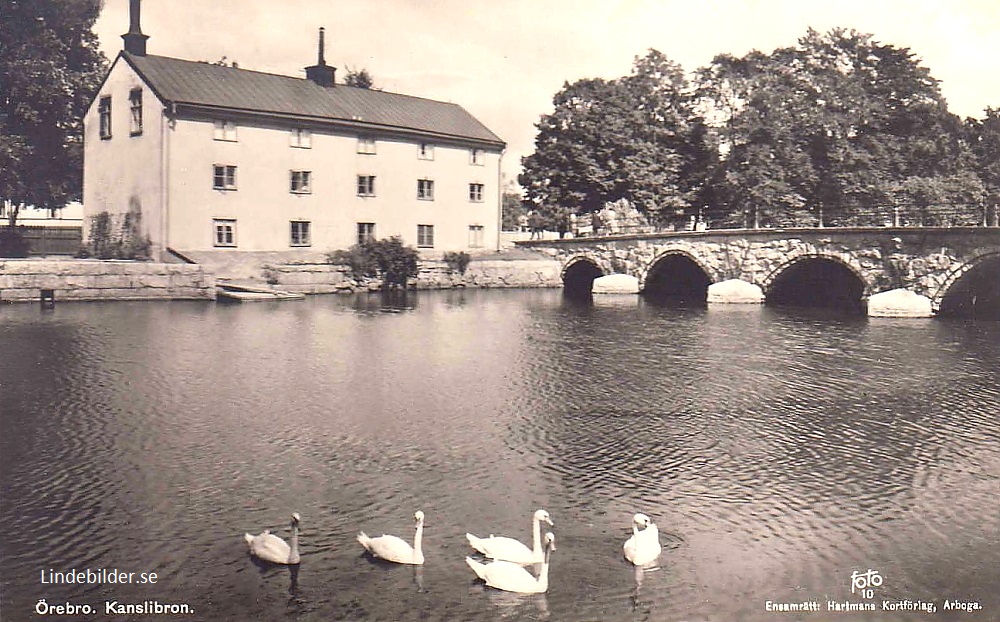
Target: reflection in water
pixel 777 450
pixel 391 301
pixel 293 576
pixel 519 606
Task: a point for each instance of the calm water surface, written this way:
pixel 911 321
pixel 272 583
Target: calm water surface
pixel 777 451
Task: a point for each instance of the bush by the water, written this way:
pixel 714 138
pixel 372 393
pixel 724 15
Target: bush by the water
pixel 387 259
pixel 457 261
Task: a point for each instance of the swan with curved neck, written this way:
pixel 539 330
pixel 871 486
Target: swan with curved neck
pixel 508 549
pixel 511 577
pixel 271 548
pixel 644 545
pixel 394 548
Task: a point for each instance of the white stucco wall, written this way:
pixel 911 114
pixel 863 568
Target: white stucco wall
pixel 124 171
pixel 171 164
pixel 263 206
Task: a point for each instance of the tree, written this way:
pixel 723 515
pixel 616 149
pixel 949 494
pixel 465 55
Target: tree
pixel 835 130
pixel 512 208
pixel 764 174
pixel 50 68
pixel 359 78
pixel 635 138
pixel 983 136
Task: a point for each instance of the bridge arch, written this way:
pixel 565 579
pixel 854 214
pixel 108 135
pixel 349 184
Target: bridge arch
pixel 811 279
pixel 677 273
pixel 971 289
pixel 579 272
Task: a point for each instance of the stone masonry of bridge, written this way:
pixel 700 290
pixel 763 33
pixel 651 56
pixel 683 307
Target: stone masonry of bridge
pixel 926 261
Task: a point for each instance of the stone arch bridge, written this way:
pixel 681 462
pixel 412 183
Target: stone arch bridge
pixel 955 268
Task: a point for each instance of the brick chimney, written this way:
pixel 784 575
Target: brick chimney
pixel 135 41
pixel 321 73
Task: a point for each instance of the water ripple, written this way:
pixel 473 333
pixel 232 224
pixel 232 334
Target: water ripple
pixel 776 453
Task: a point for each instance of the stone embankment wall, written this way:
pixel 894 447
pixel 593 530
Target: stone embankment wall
pixel 91 279
pixel 321 278
pixel 22 280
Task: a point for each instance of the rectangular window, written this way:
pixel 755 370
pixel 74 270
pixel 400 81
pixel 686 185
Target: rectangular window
pixel 425 236
pixel 225 130
pixel 366 185
pixel 475 236
pixel 301 139
pixel 135 105
pixel 476 157
pixel 300 182
pixel 425 189
pixel 425 151
pixel 366 232
pixel 476 193
pixel 300 233
pixel 224 177
pixel 225 232
pixel 104 113
pixel 366 145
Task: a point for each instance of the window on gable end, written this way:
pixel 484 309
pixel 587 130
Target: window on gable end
pixel 104 115
pixel 135 109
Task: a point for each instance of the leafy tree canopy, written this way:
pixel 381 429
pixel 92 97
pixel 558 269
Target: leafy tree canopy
pixel 635 138
pixel 836 128
pixel 984 140
pixel 50 67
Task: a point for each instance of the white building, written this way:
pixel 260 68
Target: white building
pixel 223 159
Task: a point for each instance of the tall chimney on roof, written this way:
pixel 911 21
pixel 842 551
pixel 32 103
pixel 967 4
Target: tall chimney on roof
pixel 322 46
pixel 135 41
pixel 321 73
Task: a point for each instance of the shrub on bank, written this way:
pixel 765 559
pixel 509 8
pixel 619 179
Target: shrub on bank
pixel 457 261
pixel 385 259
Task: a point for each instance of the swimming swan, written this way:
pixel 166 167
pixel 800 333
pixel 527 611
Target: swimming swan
pixel 512 577
pixel 271 548
pixel 508 549
pixel 395 549
pixel 644 545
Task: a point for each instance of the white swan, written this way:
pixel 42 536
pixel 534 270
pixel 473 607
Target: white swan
pixel 512 577
pixel 271 548
pixel 395 549
pixel 644 545
pixel 508 549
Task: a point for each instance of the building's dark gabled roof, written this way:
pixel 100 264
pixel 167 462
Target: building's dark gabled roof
pixel 184 82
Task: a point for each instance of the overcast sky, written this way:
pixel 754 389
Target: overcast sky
pixel 503 60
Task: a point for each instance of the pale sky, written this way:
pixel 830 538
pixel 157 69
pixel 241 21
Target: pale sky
pixel 503 60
